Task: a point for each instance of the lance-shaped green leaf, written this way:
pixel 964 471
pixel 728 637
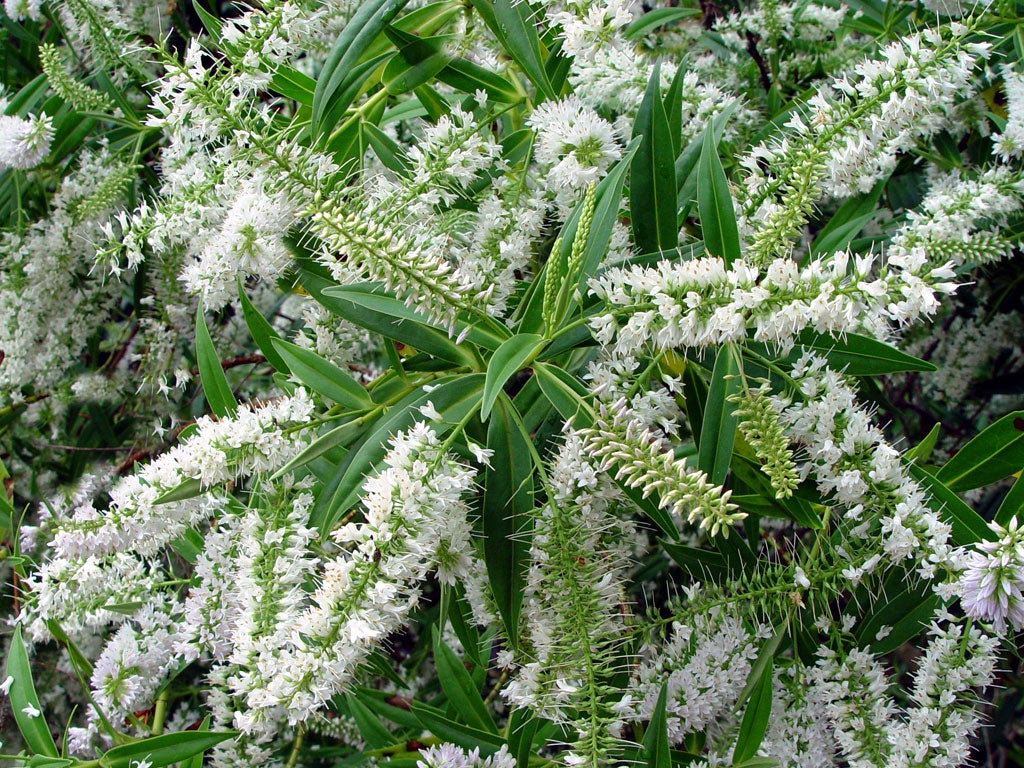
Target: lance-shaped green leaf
pixel 459 687
pixel 466 736
pixel 28 713
pixel 215 384
pixel 513 355
pixel 997 452
pixel 163 750
pixel 718 430
pixel 714 204
pixel 362 29
pixel 968 526
pixel 373 731
pixel 513 24
pixel 323 377
pixel 414 334
pixel 902 610
pixel 261 331
pixel 858 355
pixel 1012 504
pixel 506 514
pixel 656 744
pixel 755 718
pixel 452 397
pixel 419 60
pixel 652 177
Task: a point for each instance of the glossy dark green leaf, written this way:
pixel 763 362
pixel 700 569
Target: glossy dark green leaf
pixel 565 392
pixel 1012 504
pixel 340 435
pixel 483 331
pixel 323 377
pixel 373 731
pixel 362 29
pixel 995 453
pixel 858 355
pixel 718 430
pixel 904 610
pixel 968 526
pixel 419 60
pixel 652 179
pixel 24 702
pixel 262 332
pixel 714 204
pixel 187 489
pixel 465 736
pixel 470 78
pixel 459 687
pixel 294 85
pixel 167 749
pixel 413 334
pixel 387 150
pixel 656 745
pixel 506 509
pixel 453 397
pixel 513 23
pixel 702 564
pixel 196 761
pixel 755 718
pixel 215 384
pixel 513 355
pixel 659 17
pixel 921 452
pixel 522 725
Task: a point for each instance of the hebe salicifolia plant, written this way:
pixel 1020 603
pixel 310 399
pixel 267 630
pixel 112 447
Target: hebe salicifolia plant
pixel 497 383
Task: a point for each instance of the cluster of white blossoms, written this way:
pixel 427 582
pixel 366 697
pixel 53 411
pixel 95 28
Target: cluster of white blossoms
pixel 872 731
pixel 574 601
pixel 255 440
pixel 1010 141
pixel 574 146
pixel 24 143
pixel 851 133
pixel 452 756
pixel 704 302
pixel 704 664
pixel 958 220
pixel 415 524
pixel 992 582
pixel 854 466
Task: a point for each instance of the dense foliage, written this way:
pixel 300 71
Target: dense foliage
pixel 494 383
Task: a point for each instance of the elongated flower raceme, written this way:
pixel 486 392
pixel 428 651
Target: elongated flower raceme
pixel 703 302
pixel 852 132
pixel 580 552
pixel 415 523
pixel 856 468
pixel 638 458
pixel 253 441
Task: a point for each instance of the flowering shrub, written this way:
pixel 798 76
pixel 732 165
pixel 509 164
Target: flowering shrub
pixel 495 383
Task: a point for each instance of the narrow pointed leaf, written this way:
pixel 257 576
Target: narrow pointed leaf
pixel 656 745
pixel 714 204
pixel 718 430
pixel 323 377
pixel 755 718
pixel 362 29
pixel 995 453
pixel 652 179
pixel 459 687
pixel 24 701
pixel 262 332
pixel 506 506
pixel 164 750
pixel 510 357
pixel 215 384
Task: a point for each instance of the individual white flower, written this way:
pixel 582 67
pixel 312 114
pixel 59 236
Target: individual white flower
pixel 30 711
